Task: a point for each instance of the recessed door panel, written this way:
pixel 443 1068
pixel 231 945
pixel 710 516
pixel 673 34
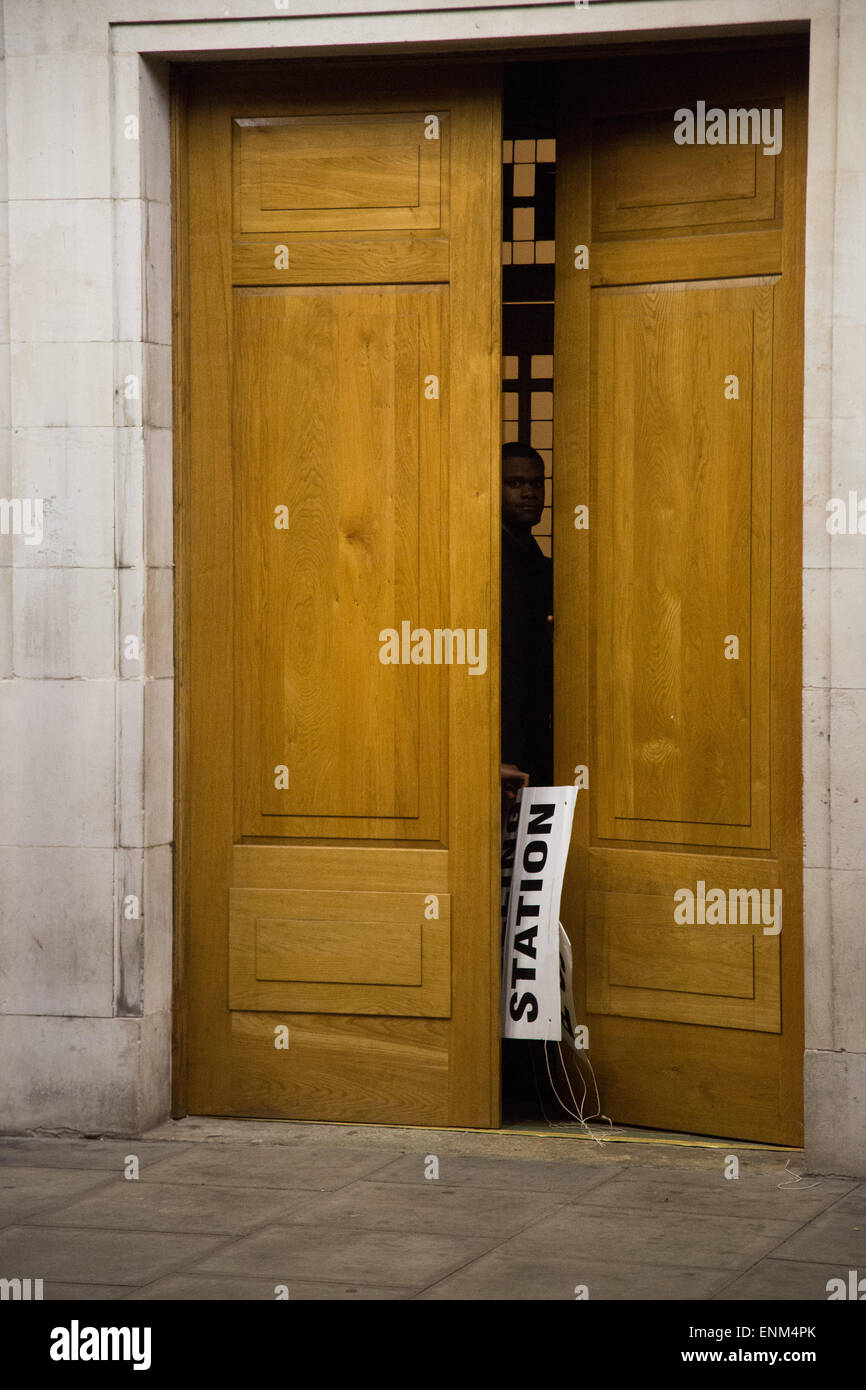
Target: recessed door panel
pixel 682 452
pixel 338 473
pixel 648 183
pixel 350 172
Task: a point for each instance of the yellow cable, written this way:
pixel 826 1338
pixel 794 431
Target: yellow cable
pixel 547 1134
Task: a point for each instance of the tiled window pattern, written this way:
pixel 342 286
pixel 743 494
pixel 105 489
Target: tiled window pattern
pixel 528 225
pixel 527 324
pixel 527 378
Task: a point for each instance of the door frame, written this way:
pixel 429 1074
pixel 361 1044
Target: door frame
pixel 363 59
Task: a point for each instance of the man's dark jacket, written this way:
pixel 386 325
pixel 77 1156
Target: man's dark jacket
pixel 527 659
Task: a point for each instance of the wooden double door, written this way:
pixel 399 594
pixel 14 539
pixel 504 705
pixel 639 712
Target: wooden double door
pixel 337 419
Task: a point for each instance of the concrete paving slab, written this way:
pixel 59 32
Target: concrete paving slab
pixel 234 1288
pixel 175 1207
pixel 501 1275
pixel 56 1292
pixel 782 1279
pixel 854 1204
pixel 470 1211
pixel 751 1194
pixel 651 1237
pixel 24 1191
pixel 107 1154
pixel 97 1257
pixel 226 1210
pixel 312 1168
pixel 287 1252
pixel 835 1236
pixel 515 1174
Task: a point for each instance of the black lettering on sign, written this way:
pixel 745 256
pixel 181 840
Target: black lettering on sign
pixel 541 814
pixel 509 847
pixel 524 941
pixel 518 974
pixel 534 857
pixel 526 910
pixel 517 1008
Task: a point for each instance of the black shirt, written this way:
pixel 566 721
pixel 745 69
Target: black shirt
pixel 527 659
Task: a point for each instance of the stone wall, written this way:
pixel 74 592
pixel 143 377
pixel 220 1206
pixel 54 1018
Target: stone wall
pixel 85 424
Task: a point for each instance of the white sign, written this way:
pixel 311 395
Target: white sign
pixel 532 1005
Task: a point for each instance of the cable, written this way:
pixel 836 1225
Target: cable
pixel 574 1114
pixel 798 1178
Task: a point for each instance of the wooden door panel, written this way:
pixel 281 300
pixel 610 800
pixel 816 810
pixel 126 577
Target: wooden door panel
pixel 343 952
pixel 695 278
pixel 341 261
pixel 366 172
pixel 300 865
pixel 689 1078
pixel 668 259
pixel 361 475
pixel 639 963
pixel 338 271
pixel 343 1068
pixel 646 182
pixel 681 480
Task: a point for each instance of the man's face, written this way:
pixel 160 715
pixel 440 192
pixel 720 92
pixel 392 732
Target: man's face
pixel 522 493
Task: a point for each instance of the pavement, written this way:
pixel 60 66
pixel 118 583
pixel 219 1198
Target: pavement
pixel 238 1209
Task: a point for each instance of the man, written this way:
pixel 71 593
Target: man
pixel 526 753
pixel 527 627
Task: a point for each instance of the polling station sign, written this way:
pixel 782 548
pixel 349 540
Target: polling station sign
pixel 531 998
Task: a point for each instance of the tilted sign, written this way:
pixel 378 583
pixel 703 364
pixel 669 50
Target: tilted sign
pixel 533 864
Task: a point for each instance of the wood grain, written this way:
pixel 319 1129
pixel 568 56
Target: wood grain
pixel 305 386
pixel 678 1035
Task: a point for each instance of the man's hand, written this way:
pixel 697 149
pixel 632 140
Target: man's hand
pixel 511 780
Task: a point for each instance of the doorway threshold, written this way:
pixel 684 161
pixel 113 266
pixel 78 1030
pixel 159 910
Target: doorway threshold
pixel 569 1130
pixel 515 1140
pixel 632 1134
